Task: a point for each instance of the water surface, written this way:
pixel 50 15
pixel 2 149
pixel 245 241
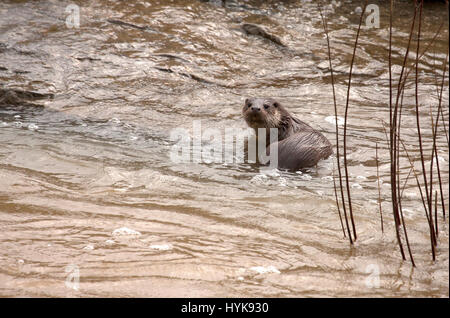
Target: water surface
pixel 95 158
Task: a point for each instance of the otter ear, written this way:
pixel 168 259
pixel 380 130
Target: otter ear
pixel 276 104
pixel 246 101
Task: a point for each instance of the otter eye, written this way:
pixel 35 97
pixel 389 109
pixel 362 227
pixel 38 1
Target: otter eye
pixel 249 105
pixel 276 104
pixel 266 106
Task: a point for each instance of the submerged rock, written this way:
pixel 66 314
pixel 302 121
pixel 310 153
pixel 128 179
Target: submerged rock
pixel 13 97
pixel 252 29
pixel 131 25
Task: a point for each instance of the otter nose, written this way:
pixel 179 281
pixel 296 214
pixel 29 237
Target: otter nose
pixel 256 108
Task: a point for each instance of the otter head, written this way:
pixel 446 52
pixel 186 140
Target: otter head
pixel 263 113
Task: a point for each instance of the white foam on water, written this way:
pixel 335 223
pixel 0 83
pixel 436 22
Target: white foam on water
pixel 332 120
pixel 272 172
pixel 110 242
pixel 114 120
pixel 124 231
pixel 356 186
pixel 306 177
pixel 161 247
pixel 265 269
pixel 33 127
pixel 259 178
pixel 89 247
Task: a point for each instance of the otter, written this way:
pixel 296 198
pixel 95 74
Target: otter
pixel 299 145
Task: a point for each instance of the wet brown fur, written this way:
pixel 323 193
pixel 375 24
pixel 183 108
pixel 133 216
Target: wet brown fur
pixel 299 145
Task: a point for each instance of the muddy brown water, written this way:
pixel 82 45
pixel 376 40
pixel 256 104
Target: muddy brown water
pixel 95 158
